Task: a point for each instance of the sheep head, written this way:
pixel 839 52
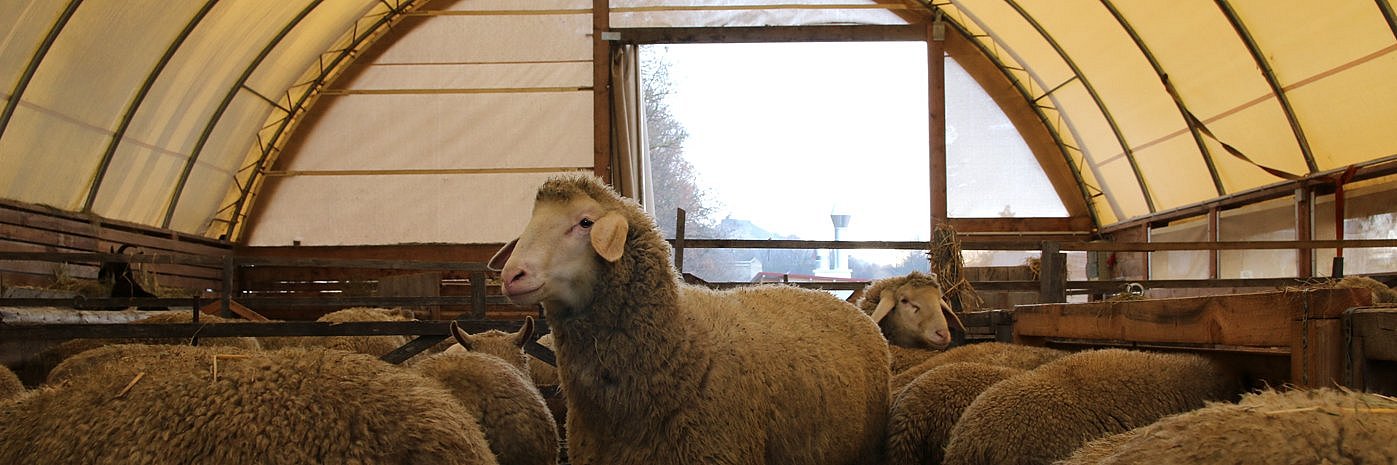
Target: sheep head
pixel 912 311
pixel 556 260
pixel 507 346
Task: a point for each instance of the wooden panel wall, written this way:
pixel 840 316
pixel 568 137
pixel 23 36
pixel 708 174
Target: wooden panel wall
pixel 34 228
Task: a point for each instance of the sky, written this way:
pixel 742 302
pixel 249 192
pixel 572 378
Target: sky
pixel 783 135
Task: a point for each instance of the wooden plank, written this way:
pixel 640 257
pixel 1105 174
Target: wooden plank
pixel 1052 274
pixel 1027 224
pixel 602 98
pixel 216 307
pixel 1257 320
pixel 766 34
pixel 239 329
pixel 1317 353
pixel 426 284
pixel 1377 327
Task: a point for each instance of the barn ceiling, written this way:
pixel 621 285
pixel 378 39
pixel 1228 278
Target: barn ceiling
pixel 198 115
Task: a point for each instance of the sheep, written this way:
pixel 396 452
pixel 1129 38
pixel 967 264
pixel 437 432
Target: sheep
pixel 923 413
pixel 909 310
pixel 1381 293
pixel 542 373
pixel 1002 354
pixel 57 354
pixel 1322 425
pixel 1044 414
pixel 902 358
pixel 10 386
pixel 372 345
pixel 506 346
pixel 657 371
pixel 158 405
pixel 497 391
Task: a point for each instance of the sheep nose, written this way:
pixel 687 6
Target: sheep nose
pixel 942 335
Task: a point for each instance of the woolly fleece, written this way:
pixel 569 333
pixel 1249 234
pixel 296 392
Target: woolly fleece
pixel 1319 426
pixel 292 406
pixel 1046 413
pixel 990 353
pixel 924 412
pixel 511 411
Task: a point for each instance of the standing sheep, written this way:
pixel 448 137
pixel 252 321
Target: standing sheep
pixel 1001 354
pixel 158 405
pixel 498 392
pixel 660 372
pixel 1044 414
pixel 909 310
pixel 1324 425
pixel 923 413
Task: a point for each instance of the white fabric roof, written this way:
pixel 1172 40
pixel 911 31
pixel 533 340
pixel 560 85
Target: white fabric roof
pixel 200 115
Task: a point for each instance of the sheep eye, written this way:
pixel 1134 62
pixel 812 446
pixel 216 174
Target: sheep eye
pixel 586 223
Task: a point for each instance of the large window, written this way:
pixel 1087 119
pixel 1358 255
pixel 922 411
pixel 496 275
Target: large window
pixel 821 141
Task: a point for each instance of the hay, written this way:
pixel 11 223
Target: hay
pixel 947 262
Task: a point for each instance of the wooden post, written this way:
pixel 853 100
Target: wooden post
pixel 679 218
pixel 1304 231
pixel 478 285
pixel 1052 274
pixel 601 90
pixel 936 96
pixel 1213 237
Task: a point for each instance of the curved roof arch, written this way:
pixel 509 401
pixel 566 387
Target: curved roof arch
pixel 176 115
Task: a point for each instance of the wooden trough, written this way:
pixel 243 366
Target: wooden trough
pixel 1302 327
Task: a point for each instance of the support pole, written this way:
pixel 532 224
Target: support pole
pixel 679 219
pixel 1304 231
pixel 936 97
pixel 1213 237
pixel 601 90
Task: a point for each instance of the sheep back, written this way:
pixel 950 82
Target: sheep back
pixel 903 358
pixel 1002 354
pixel 511 411
pixel 10 385
pixel 57 354
pixel 923 413
pixel 1044 414
pixel 282 407
pixel 1323 425
pixel 377 346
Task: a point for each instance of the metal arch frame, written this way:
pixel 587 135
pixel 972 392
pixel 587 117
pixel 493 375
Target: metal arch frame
pixel 1028 96
pixel 34 63
pixel 1100 105
pixel 1174 93
pixel 138 99
pixel 1389 15
pixel 223 106
pixel 1028 99
pixel 1270 75
pixel 394 15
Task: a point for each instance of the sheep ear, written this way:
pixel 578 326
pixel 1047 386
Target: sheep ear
pixel 462 337
pixel 946 307
pixel 885 305
pixel 497 262
pixel 525 332
pixel 609 236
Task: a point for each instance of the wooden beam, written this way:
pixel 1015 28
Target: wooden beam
pixel 757 34
pixel 1304 231
pixel 214 308
pixel 1212 232
pixel 242 329
pixel 1080 224
pixel 936 118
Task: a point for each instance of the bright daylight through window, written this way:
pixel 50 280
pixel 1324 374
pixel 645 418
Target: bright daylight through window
pixel 821 141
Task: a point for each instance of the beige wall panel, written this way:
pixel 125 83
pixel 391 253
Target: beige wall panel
pixel 1202 55
pixel 36 164
pixel 25 23
pixel 212 177
pixel 1176 173
pixel 138 184
pixel 1021 40
pixel 382 132
pixel 510 5
pixel 1289 32
pixel 484 76
pixel 1262 133
pixel 1341 116
pixel 1119 182
pixel 1237 175
pixel 364 210
pixel 298 56
pixel 475 39
pixel 1180 264
pixel 1272 220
